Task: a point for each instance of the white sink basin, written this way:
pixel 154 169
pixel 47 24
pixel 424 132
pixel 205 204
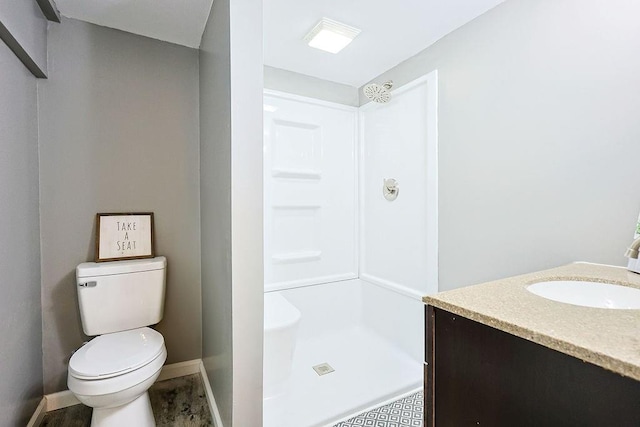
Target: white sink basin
pixel 588 294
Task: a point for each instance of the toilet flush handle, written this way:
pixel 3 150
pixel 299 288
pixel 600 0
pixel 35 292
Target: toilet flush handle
pixel 91 284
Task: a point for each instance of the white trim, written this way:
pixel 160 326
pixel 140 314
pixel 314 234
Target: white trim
pixel 377 405
pixel 392 286
pixel 179 369
pixel 213 406
pixel 308 100
pixel 432 279
pixel 61 399
pixel 38 414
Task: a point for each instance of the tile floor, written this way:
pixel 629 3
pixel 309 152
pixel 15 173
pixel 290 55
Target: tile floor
pixel 406 412
pixel 179 402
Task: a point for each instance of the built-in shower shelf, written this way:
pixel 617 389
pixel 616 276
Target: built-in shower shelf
pixel 297 207
pixel 296 173
pixel 292 257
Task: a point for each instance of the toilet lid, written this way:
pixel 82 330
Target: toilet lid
pixel 110 355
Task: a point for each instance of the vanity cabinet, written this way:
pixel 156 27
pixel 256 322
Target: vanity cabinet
pixel 476 375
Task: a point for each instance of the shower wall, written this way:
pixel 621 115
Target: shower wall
pixel 325 215
pixel 399 238
pixel 326 218
pixel 398 247
pixel 310 190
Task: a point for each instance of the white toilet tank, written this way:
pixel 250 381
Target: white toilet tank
pixel 119 295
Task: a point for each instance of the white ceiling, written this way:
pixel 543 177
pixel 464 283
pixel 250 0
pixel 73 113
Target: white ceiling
pixel 392 31
pixel 176 21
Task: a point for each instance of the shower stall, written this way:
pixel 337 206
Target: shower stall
pixel 351 235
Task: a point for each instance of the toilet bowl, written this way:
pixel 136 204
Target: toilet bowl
pixel 112 374
pixel 281 320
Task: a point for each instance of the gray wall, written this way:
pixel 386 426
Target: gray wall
pixel 119 132
pixel 539 136
pixel 21 321
pixel 313 87
pixel 231 87
pixel 27 24
pixel 215 203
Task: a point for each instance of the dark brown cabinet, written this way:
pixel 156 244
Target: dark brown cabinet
pixel 476 375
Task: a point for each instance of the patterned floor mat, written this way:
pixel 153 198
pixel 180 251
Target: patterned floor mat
pixel 406 412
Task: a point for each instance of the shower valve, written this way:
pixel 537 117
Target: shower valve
pixel 390 189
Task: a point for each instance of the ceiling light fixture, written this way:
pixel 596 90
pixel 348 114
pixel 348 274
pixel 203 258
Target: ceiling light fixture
pixel 331 36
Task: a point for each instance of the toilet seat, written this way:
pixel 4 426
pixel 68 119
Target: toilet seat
pixel 115 354
pixel 95 388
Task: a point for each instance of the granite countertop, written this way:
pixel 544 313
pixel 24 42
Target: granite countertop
pixel 605 337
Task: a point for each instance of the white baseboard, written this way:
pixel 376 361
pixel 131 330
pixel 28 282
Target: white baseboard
pixel 38 414
pixel 180 369
pixel 215 413
pixel 61 399
pixel 65 398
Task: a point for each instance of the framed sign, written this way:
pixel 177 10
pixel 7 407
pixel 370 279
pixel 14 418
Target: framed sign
pixel 124 236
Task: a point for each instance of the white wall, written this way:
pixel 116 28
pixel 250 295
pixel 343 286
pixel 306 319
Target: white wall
pixel 246 210
pixel 538 134
pixel 398 247
pixel 310 171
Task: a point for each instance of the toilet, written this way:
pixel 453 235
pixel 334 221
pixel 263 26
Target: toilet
pixel 281 321
pixel 111 373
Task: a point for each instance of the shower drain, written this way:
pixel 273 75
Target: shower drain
pixel 323 369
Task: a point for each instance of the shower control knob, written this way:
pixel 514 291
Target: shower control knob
pixel 390 189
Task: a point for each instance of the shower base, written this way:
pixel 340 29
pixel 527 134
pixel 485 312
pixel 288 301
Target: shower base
pixel 369 369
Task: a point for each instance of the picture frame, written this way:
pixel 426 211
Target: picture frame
pixel 124 236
